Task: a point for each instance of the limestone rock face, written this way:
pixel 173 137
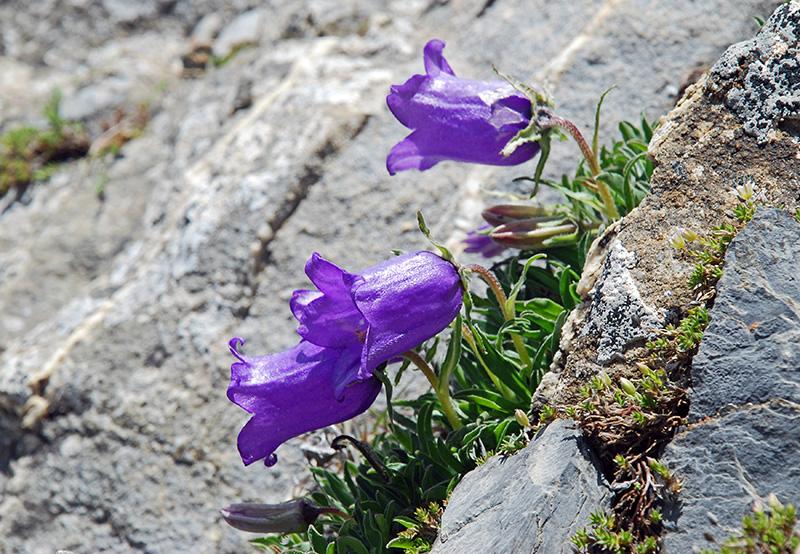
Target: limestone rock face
pixel 115 308
pixel 533 501
pixel 742 442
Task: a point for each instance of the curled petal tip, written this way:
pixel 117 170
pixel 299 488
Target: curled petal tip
pixel 233 345
pixel 434 59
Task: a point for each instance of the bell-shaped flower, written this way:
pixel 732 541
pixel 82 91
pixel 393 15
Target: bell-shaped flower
pixel 352 324
pixel 456 119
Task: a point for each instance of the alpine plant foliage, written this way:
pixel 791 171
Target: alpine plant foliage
pixel 482 337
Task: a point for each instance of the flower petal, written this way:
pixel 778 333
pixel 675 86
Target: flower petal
pixel 405 300
pixel 434 59
pixel 328 317
pixel 409 154
pixel 326 276
pixel 424 148
pixel 291 393
pixel 332 321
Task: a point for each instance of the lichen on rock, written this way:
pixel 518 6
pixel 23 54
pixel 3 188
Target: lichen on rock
pixel 759 79
pixel 618 315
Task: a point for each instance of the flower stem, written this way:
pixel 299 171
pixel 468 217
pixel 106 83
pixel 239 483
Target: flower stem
pixel 509 312
pixel 442 393
pixel 547 119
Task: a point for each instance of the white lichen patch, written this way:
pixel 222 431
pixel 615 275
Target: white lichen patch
pixel 618 316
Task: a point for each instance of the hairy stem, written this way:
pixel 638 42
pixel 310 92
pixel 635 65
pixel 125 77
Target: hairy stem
pixel 442 393
pixel 547 119
pixel 507 308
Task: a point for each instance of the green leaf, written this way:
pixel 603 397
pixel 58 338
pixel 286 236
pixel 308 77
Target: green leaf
pixel 526 135
pixel 453 354
pixel 423 227
pixel 401 543
pixel 512 296
pixel 544 154
pixel 349 545
pixel 317 540
pixel 596 134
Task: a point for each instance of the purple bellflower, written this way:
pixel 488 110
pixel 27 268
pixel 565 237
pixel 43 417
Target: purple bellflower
pixel 352 324
pixel 456 119
pixel 478 241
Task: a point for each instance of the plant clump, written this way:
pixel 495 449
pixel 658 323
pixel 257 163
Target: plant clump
pixel 770 529
pixel 29 154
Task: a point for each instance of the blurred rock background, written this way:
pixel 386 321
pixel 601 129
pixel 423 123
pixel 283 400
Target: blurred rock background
pixel 258 133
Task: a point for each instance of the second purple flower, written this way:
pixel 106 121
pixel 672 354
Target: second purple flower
pixel 456 119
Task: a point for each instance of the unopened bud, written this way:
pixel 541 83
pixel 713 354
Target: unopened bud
pixel 604 378
pixel 522 418
pixel 627 386
pixel 690 235
pixel 745 191
pixel 529 233
pixel 773 502
pixel 677 242
pixel 288 517
pixel 506 213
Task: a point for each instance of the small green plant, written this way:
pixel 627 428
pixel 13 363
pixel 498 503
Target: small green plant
pixel 604 536
pixel 420 530
pixel 681 340
pixel 769 529
pixel 29 154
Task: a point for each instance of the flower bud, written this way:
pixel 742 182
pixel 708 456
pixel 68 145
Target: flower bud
pixel 677 241
pixel 506 213
pixel 530 233
pixel 522 418
pixel 288 517
pixel 604 378
pixel 773 502
pixel 644 368
pixel 746 191
pixel 627 386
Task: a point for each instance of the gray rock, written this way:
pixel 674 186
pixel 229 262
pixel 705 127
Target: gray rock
pixel 207 28
pixel 618 316
pixel 531 502
pixel 758 77
pixel 751 349
pixel 246 30
pixel 94 99
pixel 124 11
pixel 725 465
pixel 745 397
